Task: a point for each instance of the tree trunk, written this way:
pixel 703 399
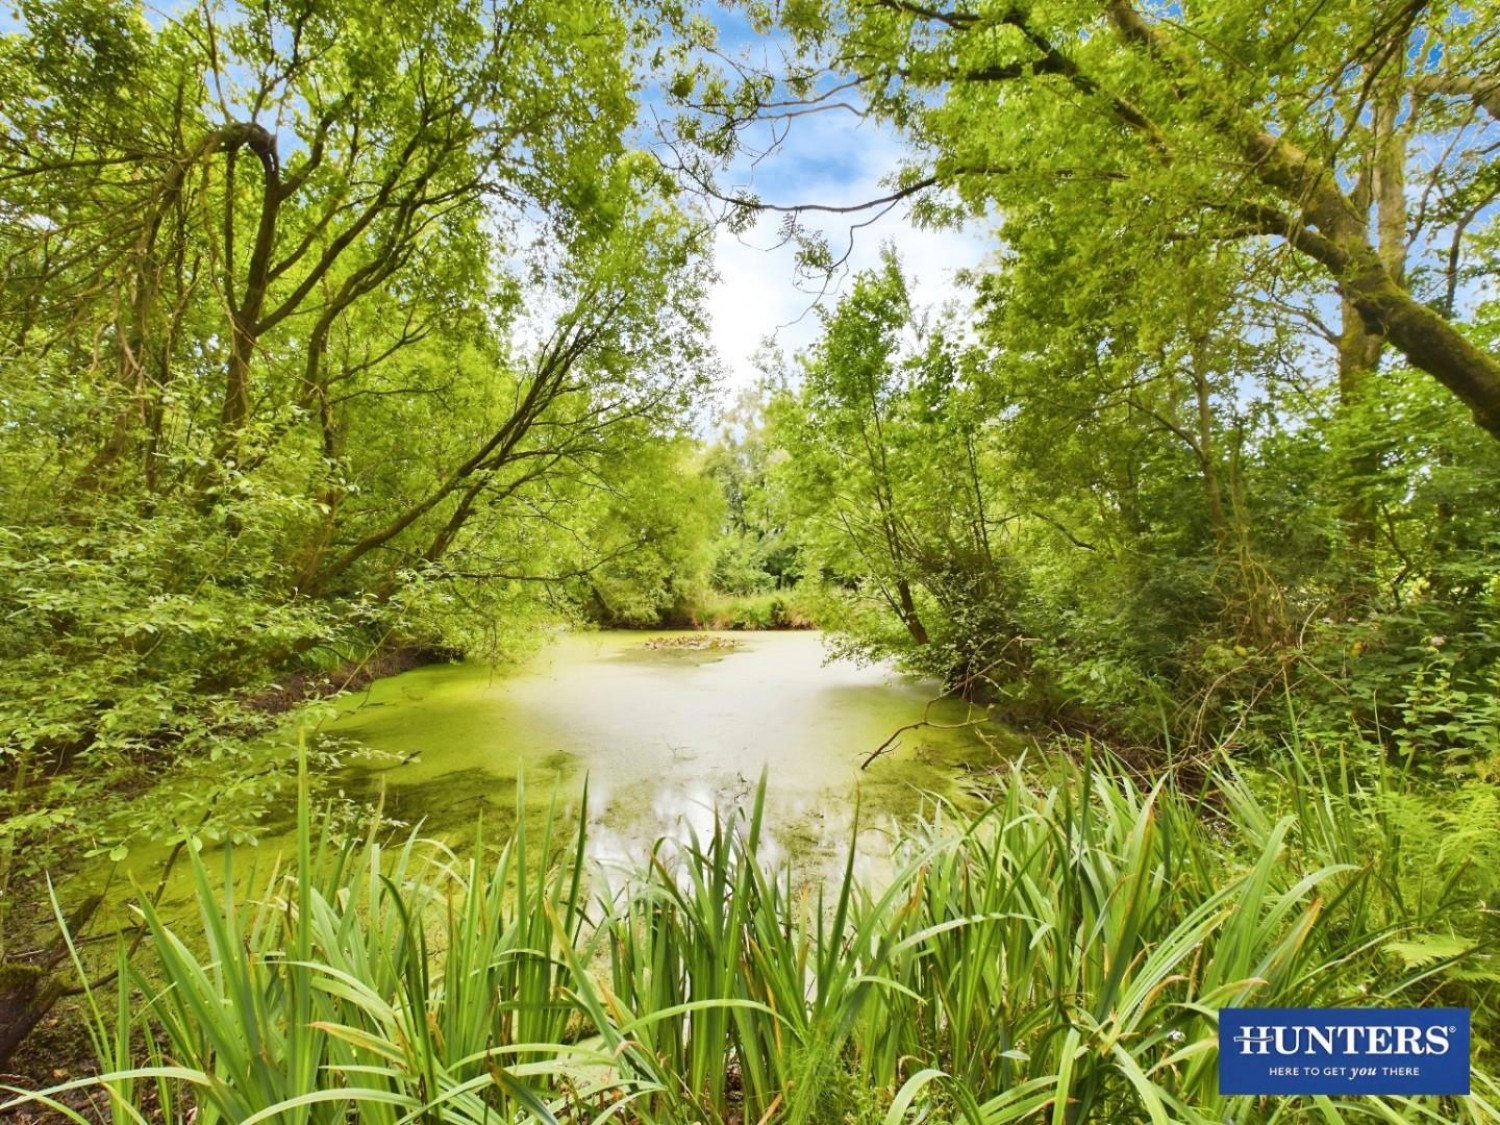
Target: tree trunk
pixel 1206 449
pixel 30 989
pixel 1323 223
pixel 245 309
pixel 1383 186
pixel 913 623
pixel 27 993
pixel 1359 359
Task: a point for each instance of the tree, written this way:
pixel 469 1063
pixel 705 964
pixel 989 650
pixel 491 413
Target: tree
pixel 262 245
pixel 889 496
pixel 316 319
pixel 652 536
pixel 204 204
pixel 321 325
pixel 1340 140
pixel 755 554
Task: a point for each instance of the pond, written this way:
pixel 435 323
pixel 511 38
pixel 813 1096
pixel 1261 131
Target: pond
pixel 662 730
pixel 666 729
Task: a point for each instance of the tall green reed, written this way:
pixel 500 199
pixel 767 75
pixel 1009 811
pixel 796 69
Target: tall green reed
pixel 1060 958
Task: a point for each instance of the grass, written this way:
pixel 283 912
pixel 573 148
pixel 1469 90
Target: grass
pixel 1058 959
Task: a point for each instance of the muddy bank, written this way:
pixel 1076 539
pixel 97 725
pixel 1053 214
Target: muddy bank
pixel 304 686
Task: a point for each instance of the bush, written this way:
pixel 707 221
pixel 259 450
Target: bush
pixel 782 609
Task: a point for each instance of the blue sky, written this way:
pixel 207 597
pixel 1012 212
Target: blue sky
pixel 835 159
pixel 832 159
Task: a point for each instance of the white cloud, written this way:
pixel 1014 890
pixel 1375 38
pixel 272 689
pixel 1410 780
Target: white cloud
pixel 833 160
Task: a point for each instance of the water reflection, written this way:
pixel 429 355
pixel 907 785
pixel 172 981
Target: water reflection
pixel 667 739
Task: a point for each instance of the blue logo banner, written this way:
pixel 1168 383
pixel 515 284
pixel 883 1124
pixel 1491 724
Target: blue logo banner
pixel 1344 1051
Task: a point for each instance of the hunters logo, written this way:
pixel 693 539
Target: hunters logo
pixel 1351 1039
pixel 1343 1051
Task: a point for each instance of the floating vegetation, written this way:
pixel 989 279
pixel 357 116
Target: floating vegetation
pixel 693 642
